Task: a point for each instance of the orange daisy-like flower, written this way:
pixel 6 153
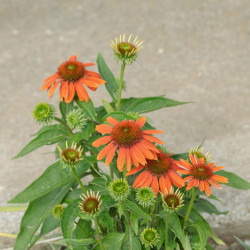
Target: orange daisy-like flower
pixel 159 174
pixel 72 75
pixel 135 145
pixel 201 174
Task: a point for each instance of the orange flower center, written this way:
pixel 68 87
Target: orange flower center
pixel 172 200
pixel 125 47
pixel 71 154
pixel 160 166
pixel 126 133
pixel 90 205
pixel 202 172
pixel 71 70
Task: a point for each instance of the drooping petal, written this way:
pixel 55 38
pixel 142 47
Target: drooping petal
pixel 168 182
pixel 141 121
pixel 101 141
pixel 105 150
pixel 121 158
pixel 81 91
pixel 162 184
pixel 183 171
pixel 112 120
pixel 207 188
pixel 176 179
pixel 128 159
pixel 92 73
pixel 147 153
pixel 64 89
pixel 155 185
pixel 184 164
pixel 97 80
pixel 110 155
pixel 202 185
pixel 89 83
pixel 196 182
pixel 152 139
pixel 219 178
pixel 104 129
pixel 47 85
pixel 133 159
pixel 150 145
pixel 53 88
pixel 188 178
pixel 150 132
pixel 148 181
pixel 193 159
pixel 135 170
pixel 139 156
pixel 71 93
pixel 51 78
pixel 190 184
pixel 139 178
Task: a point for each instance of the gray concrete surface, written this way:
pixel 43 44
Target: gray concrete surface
pixel 193 51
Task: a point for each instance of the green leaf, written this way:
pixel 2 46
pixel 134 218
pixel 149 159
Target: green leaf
pixel 38 210
pixel 136 244
pixel 201 229
pixel 47 137
pixel 107 75
pixel 53 177
pixel 49 225
pixel 88 130
pixel 65 108
pixel 234 180
pixel 68 219
pixel 107 106
pixel 84 229
pixel 49 128
pixel 175 226
pixel 134 222
pixel 242 243
pixel 111 241
pixel 135 209
pixel 148 104
pixel 88 108
pixel 80 242
pixel 207 207
pixel 107 221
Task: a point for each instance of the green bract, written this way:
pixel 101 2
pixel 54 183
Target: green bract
pixel 76 119
pixel 145 196
pixel 44 113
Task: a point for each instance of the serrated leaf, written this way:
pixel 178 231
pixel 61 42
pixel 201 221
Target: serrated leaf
pixel 53 177
pixel 234 180
pixel 47 137
pixel 38 210
pixel 107 75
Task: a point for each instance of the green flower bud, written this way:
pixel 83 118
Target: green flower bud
pixel 58 210
pixel 145 196
pixel 119 189
pixel 149 237
pixel 76 119
pixel 44 113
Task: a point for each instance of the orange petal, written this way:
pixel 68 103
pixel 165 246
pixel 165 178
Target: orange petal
pixel 81 92
pixel 133 159
pixel 89 83
pixel 202 185
pixel 104 151
pixel 215 169
pixel 147 153
pixel 71 93
pixel 112 120
pixel 184 164
pixel 95 79
pixel 47 85
pixel 110 155
pixel 101 141
pixel 193 159
pixel 53 88
pixel 64 89
pixel 128 159
pixel 219 178
pixel 92 73
pixel 196 183
pixel 72 58
pixel 104 129
pixel 152 139
pixel 207 188
pixel 148 181
pixel 150 145
pixel 138 179
pixel 121 158
pixel 135 170
pixel 212 184
pixel 162 184
pixel 141 121
pixel 88 64
pixel 191 184
pixel 176 179
pixel 149 132
pixel 183 171
pixel 155 185
pixel 139 156
pixel 51 78
pixel 188 178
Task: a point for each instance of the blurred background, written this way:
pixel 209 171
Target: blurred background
pixel 193 51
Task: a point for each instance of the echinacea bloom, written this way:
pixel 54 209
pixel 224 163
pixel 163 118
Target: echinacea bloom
pixel 72 75
pixel 159 174
pixel 201 174
pixel 126 51
pixel 199 153
pixel 172 200
pixel 135 145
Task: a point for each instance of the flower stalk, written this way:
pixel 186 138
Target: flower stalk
pixel 120 87
pixel 98 233
pixel 189 208
pixel 70 132
pixel 166 235
pixel 78 179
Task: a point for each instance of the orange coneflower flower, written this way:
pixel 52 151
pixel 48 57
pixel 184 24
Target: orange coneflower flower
pixel 135 145
pixel 159 174
pixel 72 75
pixel 201 174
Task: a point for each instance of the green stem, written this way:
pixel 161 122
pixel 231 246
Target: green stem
pixel 189 207
pixel 78 180
pixel 65 125
pixel 120 87
pixel 124 172
pixel 111 171
pixel 95 122
pixel 129 228
pixel 166 235
pixel 98 233
pixel 94 169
